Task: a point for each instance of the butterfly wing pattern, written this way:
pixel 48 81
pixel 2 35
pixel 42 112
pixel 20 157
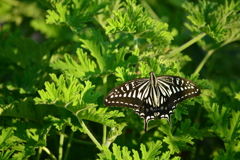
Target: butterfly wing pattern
pixel 152 97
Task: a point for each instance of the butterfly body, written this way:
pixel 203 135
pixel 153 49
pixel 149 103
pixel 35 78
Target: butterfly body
pixel 152 97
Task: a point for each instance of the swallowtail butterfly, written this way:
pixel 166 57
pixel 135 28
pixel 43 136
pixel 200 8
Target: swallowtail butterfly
pixel 152 97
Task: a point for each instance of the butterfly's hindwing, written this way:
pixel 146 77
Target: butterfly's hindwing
pixel 152 97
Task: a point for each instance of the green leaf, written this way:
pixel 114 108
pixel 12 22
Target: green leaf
pixel 219 115
pixel 68 93
pixel 74 13
pixel 175 141
pixel 133 20
pixel 122 154
pixel 19 139
pixel 153 150
pixel 101 54
pixel 217 20
pixel 26 109
pixel 237 96
pixel 227 129
pixel 85 69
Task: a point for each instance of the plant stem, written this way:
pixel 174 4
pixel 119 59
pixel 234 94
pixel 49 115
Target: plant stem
pixel 49 153
pixel 68 146
pixel 89 133
pixel 200 66
pixel 39 153
pixel 186 45
pixel 61 141
pixel 104 134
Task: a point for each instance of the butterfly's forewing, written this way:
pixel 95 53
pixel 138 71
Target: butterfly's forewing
pixel 154 97
pixel 126 94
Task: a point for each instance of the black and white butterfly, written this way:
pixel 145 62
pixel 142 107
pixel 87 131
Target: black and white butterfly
pixel 152 97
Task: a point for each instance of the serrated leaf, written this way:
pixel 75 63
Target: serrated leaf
pixel 124 153
pixel 153 150
pixel 132 19
pixel 20 138
pixel 83 70
pixel 71 95
pixel 214 19
pixel 175 141
pixel 74 13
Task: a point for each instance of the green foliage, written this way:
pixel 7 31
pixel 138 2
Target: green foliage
pixel 132 19
pixel 74 13
pixel 60 58
pixel 224 27
pixel 117 153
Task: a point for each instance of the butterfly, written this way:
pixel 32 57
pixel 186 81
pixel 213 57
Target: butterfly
pixel 152 97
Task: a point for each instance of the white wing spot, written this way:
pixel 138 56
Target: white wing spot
pixel 130 93
pixel 177 80
pixel 182 82
pixel 139 95
pixel 177 89
pixel 173 89
pixel 127 87
pixel 134 94
pixel 132 84
pixel 149 100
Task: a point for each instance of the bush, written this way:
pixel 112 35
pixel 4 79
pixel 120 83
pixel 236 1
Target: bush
pixel 60 58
